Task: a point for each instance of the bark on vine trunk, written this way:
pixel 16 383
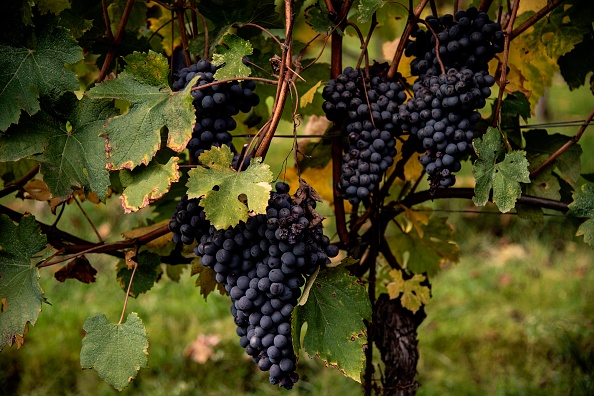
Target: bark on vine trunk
pixel 395 336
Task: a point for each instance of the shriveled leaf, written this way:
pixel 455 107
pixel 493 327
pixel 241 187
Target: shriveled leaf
pixel 115 351
pixel 583 207
pixel 335 312
pixel 155 243
pixel 134 138
pixel 502 177
pixel 414 295
pixel 223 206
pixel 31 71
pixel 318 18
pixel 79 269
pixel 76 158
pixel 146 274
pixel 147 184
pixel 20 293
pixel 37 190
pixel 232 55
pixel 367 8
pixel 206 279
pixel 425 254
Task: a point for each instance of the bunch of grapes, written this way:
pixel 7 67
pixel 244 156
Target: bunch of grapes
pixel 188 223
pixel 367 110
pixel 442 116
pixel 215 106
pixel 262 264
pixel 469 39
pixel 442 113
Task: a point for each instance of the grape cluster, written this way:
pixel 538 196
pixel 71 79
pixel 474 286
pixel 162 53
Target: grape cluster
pixel 466 40
pixel 215 106
pixel 262 264
pixel 188 223
pixel 367 109
pixel 442 115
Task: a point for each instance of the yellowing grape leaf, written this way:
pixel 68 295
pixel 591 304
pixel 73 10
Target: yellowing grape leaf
pixel 20 293
pixel 222 188
pixel 425 254
pixel 583 207
pixel 308 97
pixel 115 351
pixel 147 184
pixel 503 177
pixel 134 138
pixel 163 24
pixel 36 70
pixel 335 313
pixel 206 279
pixel 413 293
pixel 232 55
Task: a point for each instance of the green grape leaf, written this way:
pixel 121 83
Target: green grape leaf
pixel 206 279
pixel 230 12
pixel 516 104
pixel 29 137
pixel 335 311
pixel 20 294
pixel 223 206
pixel 318 19
pixel 115 351
pixel 583 207
pixel 53 6
pixel 29 72
pixel 146 274
pixel 76 24
pixel 76 158
pixel 578 63
pixel 425 254
pixel 134 138
pixel 136 19
pixel 502 177
pixel 232 55
pixel 540 146
pixel 147 184
pixel 367 8
pixel 414 295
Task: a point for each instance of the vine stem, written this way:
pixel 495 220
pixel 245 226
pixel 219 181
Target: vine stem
pixel 268 32
pixel 562 149
pixel 535 18
pixel 485 5
pixel 405 35
pixel 264 80
pixel 443 70
pixel 17 185
pixel 108 32
pixel 129 285
pixel 182 28
pixel 503 79
pixel 116 41
pixel 88 219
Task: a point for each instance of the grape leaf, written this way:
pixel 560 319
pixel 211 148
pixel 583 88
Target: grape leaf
pixel 583 207
pixel 425 254
pixel 134 138
pixel 147 184
pixel 232 56
pixel 12 171
pixel 540 146
pixel 503 177
pixel 335 311
pixel 318 19
pixel 20 293
pixel 76 158
pixel 413 293
pixel 29 137
pixel 206 279
pixel 577 63
pixel 80 269
pixel 367 8
pixel 161 25
pixel 308 97
pixel 28 73
pixel 53 6
pixel 223 206
pixel 115 351
pixel 146 274
pixel 516 104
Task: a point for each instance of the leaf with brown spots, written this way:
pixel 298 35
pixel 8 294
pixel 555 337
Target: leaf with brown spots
pixel 335 311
